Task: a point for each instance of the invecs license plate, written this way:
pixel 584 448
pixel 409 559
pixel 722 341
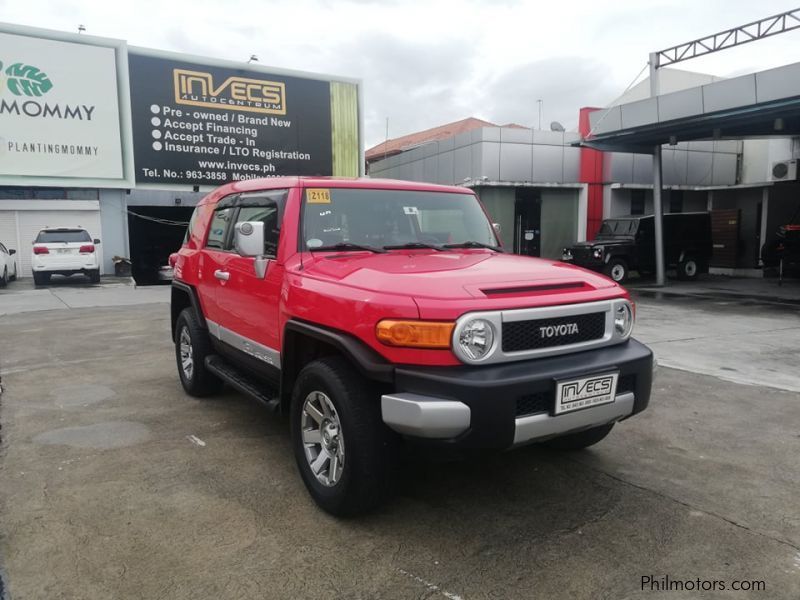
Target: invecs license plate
pixel 585 392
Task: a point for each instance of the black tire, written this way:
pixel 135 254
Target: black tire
pixel 94 276
pixel 617 270
pixel 41 278
pixel 197 381
pixel 688 268
pixel 14 276
pixel 581 439
pixel 4 278
pixel 365 475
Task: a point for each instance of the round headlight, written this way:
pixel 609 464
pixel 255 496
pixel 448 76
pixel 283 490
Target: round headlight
pixel 476 338
pixel 623 319
pixel 598 253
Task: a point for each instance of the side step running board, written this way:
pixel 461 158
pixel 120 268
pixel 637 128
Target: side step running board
pixel 247 385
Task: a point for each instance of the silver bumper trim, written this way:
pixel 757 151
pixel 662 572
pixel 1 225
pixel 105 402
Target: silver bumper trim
pixel 543 426
pixel 423 416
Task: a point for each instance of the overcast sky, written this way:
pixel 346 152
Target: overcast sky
pixel 426 63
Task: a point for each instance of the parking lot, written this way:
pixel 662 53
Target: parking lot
pixel 115 484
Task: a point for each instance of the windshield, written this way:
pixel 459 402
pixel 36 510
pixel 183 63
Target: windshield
pixel 62 235
pixel 614 227
pixel 379 218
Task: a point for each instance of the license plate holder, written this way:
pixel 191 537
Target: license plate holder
pixel 585 392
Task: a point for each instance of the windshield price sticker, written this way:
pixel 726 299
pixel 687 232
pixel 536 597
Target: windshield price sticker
pixel 318 196
pixel 411 210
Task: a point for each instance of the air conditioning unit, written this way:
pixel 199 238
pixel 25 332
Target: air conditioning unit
pixel 785 170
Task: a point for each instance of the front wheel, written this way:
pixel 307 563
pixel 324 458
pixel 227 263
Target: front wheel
pixel 688 269
pixel 4 278
pixel 343 449
pixel 192 346
pixel 617 269
pixel 581 439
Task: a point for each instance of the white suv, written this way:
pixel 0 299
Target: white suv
pixel 8 265
pixel 64 251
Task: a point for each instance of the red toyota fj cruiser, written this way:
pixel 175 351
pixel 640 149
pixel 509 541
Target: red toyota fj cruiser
pixel 376 311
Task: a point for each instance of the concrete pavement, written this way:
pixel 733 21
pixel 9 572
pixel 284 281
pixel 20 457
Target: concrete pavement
pixel 76 292
pixel 113 483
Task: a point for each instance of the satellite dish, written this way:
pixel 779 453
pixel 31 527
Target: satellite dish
pixel 556 126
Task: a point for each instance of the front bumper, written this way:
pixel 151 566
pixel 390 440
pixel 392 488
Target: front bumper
pixel 499 406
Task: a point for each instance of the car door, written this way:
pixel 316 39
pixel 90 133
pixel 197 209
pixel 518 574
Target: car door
pixel 249 304
pixel 213 259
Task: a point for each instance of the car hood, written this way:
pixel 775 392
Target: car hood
pixel 451 275
pixel 615 241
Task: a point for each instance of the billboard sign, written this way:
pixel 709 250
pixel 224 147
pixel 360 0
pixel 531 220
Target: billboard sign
pixel 59 110
pixel 206 124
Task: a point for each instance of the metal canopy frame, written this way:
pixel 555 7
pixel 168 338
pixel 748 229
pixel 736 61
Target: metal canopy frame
pixel 744 34
pixel 723 40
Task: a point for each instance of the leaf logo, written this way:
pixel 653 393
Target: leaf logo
pixel 27 80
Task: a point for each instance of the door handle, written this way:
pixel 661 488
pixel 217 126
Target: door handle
pixel 222 275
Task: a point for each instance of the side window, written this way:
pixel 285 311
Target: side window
pixel 192 223
pixel 267 214
pixel 218 230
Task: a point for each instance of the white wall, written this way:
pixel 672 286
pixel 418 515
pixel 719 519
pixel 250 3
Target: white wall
pixel 114 224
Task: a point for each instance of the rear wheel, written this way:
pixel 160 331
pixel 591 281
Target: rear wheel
pixel 581 439
pixel 41 278
pixel 688 268
pixel 343 449
pixel 192 346
pixel 617 269
pixel 94 276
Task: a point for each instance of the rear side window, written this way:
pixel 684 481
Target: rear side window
pixel 218 231
pixel 53 236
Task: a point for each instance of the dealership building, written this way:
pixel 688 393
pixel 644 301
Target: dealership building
pixel 547 189
pixel 127 144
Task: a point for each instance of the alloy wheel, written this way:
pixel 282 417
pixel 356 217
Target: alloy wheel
pixel 323 442
pixel 187 358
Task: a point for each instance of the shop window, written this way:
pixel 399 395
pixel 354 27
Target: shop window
pixel 637 202
pixel 675 201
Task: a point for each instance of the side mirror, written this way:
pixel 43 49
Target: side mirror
pixel 11 252
pixel 249 238
pixel 96 241
pixel 497 229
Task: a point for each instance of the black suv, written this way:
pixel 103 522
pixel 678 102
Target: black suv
pixel 626 244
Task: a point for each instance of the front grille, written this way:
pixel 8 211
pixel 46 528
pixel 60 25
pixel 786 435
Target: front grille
pixel 534 403
pixel 527 335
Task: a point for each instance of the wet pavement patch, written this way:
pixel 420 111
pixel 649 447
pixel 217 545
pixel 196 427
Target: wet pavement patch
pixel 81 395
pixel 100 436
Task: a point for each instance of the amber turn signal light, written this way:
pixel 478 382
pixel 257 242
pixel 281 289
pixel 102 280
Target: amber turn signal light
pixel 415 334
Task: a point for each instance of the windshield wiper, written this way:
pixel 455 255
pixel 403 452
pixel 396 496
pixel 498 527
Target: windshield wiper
pixel 412 245
pixel 473 244
pixel 349 246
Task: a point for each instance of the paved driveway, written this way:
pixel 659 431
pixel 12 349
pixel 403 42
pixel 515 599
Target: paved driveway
pixel 113 483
